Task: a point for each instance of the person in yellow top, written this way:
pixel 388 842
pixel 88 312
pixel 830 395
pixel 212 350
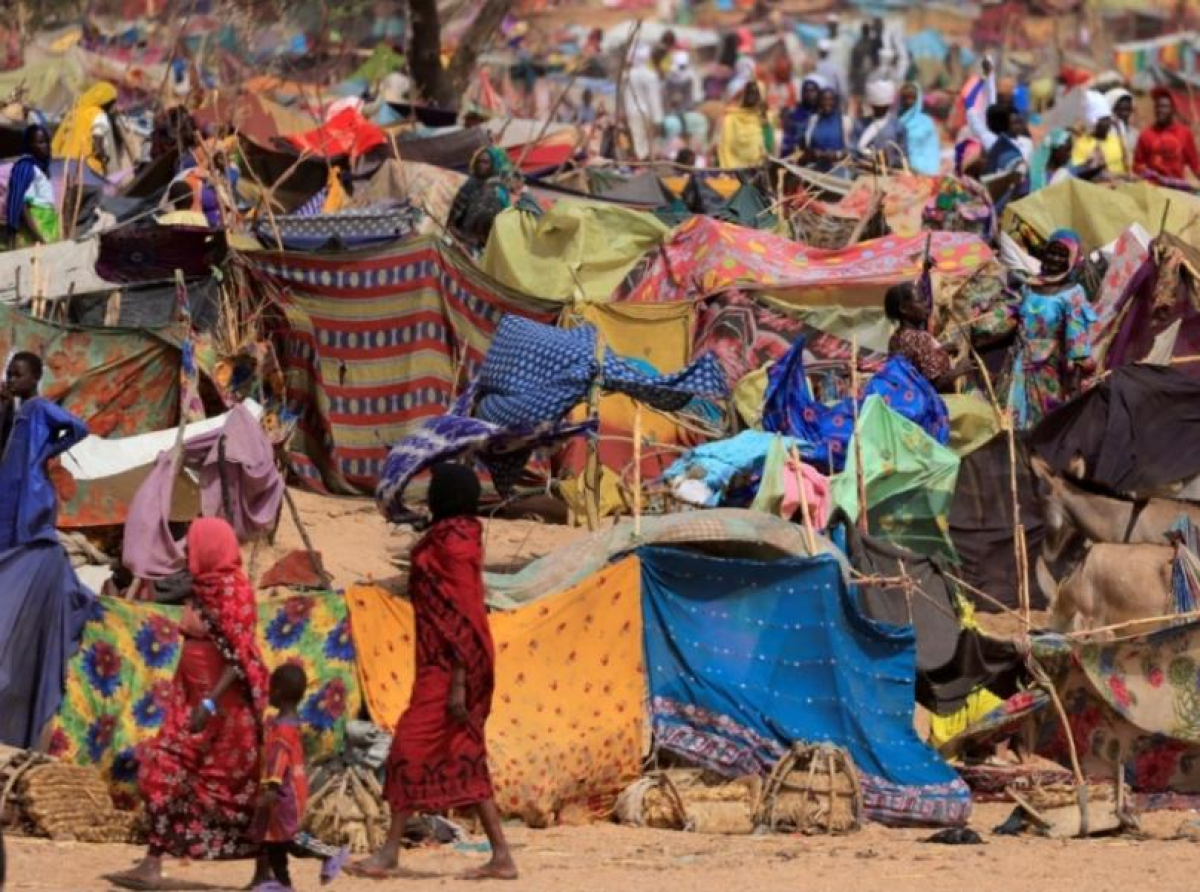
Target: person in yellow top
pixel 1100 150
pixel 87 133
pixel 747 137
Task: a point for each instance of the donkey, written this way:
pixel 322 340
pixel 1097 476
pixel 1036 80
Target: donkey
pixel 1112 584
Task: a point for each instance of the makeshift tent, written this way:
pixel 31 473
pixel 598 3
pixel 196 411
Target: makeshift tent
pixel 565 734
pixel 1129 428
pixel 117 684
pixel 376 342
pixel 347 133
pixel 1100 214
pixel 424 186
pixel 26 272
pixel 119 382
pixel 703 256
pixel 952 661
pixel 746 658
pixel 909 479
pixel 731 531
pixel 576 251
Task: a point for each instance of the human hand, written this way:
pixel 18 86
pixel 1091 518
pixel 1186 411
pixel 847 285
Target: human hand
pixel 6 396
pixel 456 705
pixel 199 720
pixel 268 798
pixel 987 66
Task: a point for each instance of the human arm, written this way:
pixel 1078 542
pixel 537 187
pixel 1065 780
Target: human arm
pixel 65 429
pixel 1141 155
pixel 976 117
pixel 1191 161
pixel 1077 333
pixel 201 713
pixel 456 700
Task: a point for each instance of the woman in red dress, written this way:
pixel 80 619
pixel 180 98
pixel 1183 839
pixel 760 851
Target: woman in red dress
pixel 199 777
pixel 439 757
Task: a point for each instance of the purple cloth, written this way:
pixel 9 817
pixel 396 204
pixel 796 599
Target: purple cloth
pixel 28 502
pixel 43 608
pixel 255 488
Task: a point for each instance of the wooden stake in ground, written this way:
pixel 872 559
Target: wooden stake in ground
pixel 637 469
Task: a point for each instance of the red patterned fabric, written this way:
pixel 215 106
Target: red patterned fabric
pixel 200 789
pixel 434 763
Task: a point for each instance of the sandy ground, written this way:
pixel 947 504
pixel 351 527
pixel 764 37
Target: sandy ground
pixel 608 858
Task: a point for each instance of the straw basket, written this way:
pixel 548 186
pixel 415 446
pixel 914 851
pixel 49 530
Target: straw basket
pixel 63 802
pixel 693 800
pixel 347 809
pixel 812 789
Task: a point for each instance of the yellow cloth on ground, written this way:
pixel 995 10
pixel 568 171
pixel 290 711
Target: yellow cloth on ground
pixel 576 251
pixel 566 728
pixel 944 728
pixel 741 143
pixel 73 139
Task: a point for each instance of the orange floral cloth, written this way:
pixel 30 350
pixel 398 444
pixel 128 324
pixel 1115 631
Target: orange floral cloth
pixel 566 730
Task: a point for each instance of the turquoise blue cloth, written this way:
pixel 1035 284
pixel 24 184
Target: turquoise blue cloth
pixel 722 460
pixel 923 144
pixel 28 504
pixel 747 657
pixel 824 431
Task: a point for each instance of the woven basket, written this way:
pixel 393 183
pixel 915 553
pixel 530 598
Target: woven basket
pixel 347 809
pixel 688 799
pixel 1066 795
pixel 812 789
pixel 72 802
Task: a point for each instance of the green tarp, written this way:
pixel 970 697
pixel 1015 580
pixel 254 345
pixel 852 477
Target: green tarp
pixel 576 251
pixel 909 478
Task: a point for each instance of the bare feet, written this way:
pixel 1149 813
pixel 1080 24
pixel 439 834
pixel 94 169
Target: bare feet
pixel 499 868
pixel 380 866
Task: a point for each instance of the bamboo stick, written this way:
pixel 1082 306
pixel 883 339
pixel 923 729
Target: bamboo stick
pixel 805 512
pixel 637 469
pixel 1135 623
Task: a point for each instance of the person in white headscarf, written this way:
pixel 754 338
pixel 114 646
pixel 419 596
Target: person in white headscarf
pixel 683 125
pixel 886 69
pixel 879 132
pixel 642 101
pixel 1099 151
pixel 1120 101
pixel 828 69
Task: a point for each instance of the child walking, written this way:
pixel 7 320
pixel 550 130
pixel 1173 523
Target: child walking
pixel 284 792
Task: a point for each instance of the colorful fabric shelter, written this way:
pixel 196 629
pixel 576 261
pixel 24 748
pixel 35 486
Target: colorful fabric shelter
pixel 746 658
pixel 375 343
pixel 117 682
pixel 566 730
pixel 576 251
pixel 909 479
pixel 347 133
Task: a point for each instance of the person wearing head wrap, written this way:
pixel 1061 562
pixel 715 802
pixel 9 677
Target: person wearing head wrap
pixel 880 134
pixel 481 197
pixel 30 210
pixel 87 133
pixel 683 125
pixel 920 133
pixel 642 98
pixel 1053 324
pixel 1120 101
pixel 746 137
pixel 1100 150
pixel 962 203
pixel 827 138
pixel 439 759
pixel 828 68
pixel 795 120
pixel 198 777
pixel 1052 161
pixel 1166 150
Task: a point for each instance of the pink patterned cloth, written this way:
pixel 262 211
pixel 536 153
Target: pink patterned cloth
pixel 799 477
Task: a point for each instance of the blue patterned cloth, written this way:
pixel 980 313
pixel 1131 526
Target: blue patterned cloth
pixel 824 430
pixel 746 658
pixel 536 373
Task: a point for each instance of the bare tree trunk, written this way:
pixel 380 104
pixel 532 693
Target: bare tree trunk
pixel 424 54
pixel 478 37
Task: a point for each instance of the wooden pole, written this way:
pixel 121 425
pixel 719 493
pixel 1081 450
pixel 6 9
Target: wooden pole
pixel 858 465
pixel 805 511
pixel 637 470
pixel 592 472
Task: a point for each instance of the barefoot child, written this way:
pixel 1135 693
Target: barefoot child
pixel 284 791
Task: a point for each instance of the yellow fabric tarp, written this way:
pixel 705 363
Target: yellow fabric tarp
pixel 576 251
pixel 1101 213
pixel 972 422
pixel 566 728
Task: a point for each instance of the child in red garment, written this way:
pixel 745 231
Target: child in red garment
pixel 284 791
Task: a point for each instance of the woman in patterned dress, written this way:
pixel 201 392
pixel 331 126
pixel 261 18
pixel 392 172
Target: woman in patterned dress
pixel 1054 343
pixel 199 777
pixel 438 760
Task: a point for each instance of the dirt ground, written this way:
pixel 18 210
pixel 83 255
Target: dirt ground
pixel 608 858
